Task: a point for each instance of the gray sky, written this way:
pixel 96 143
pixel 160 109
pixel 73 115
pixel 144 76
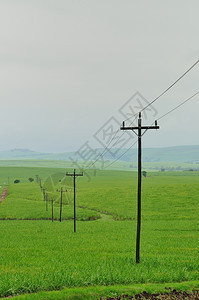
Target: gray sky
pixel 68 66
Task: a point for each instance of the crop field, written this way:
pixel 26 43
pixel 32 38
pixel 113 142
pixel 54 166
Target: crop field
pixel 38 255
pixel 109 165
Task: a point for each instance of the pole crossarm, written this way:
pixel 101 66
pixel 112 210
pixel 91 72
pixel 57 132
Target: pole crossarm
pixel 74 174
pixel 139 134
pixel 61 191
pixel 139 126
pixel 143 127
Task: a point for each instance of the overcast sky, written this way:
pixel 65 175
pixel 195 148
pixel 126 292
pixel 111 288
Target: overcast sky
pixel 68 66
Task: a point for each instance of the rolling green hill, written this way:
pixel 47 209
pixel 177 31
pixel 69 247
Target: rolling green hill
pixel 183 154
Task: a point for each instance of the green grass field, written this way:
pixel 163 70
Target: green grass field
pixel 39 255
pixel 118 165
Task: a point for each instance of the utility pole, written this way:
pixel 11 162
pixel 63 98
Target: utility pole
pixel 46 202
pixel 74 174
pixel 139 135
pixel 52 201
pixel 40 183
pixel 37 178
pixel 44 193
pixel 61 202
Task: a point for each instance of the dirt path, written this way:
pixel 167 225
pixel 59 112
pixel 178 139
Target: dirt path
pixel 4 194
pixel 166 296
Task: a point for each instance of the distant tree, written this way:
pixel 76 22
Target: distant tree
pixel 162 169
pixel 144 173
pixel 31 179
pixel 16 181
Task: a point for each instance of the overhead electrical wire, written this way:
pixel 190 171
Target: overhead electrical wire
pixel 175 82
pixel 106 149
pixel 181 104
pixel 121 155
pixel 164 92
pixel 149 104
pixel 170 111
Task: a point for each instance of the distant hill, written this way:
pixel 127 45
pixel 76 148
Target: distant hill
pixel 183 154
pixel 21 154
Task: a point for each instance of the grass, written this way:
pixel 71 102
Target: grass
pixel 48 256
pixel 103 292
pixel 119 165
pixel 38 255
pixel 167 195
pixel 25 202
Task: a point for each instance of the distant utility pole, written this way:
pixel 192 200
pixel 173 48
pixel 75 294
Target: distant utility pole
pixel 74 174
pixel 46 201
pixel 52 201
pixel 40 183
pixel 61 202
pixel 139 134
pixel 44 193
pixel 37 178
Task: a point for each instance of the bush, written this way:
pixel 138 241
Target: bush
pixel 31 179
pixel 16 181
pixel 144 173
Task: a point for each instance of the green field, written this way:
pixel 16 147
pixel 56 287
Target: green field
pixel 109 165
pixel 40 255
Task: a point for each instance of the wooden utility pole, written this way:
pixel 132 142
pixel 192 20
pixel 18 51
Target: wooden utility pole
pixel 52 201
pixel 46 202
pixel 40 183
pixel 61 202
pixel 139 134
pixel 37 178
pixel 74 174
pixel 44 193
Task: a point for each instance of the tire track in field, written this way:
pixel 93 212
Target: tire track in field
pixel 103 216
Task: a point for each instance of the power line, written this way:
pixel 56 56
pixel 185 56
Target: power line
pixel 120 155
pixel 164 92
pixel 178 106
pixel 107 149
pixel 175 108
